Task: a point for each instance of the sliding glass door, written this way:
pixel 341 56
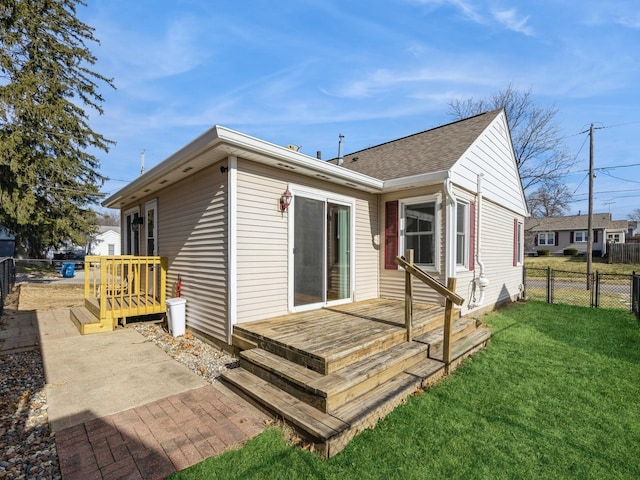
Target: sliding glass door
pixel 321 251
pixel 308 256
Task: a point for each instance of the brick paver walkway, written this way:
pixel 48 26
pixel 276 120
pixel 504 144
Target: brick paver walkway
pixel 159 438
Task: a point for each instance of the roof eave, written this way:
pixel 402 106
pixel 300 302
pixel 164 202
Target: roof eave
pixel 230 142
pixel 413 181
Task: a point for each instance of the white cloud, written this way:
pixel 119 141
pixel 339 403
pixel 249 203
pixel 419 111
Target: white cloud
pixel 509 19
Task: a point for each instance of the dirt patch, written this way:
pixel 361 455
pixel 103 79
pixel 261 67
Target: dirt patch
pixel 50 296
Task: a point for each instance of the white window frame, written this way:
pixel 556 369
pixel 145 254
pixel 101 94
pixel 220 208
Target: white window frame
pixel 520 245
pixel 464 264
pixel 583 233
pixel 151 205
pixel 545 236
pixel 403 203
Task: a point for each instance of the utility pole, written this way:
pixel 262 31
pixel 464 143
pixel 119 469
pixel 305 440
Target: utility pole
pixel 590 219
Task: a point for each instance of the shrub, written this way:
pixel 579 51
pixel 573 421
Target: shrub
pixel 544 252
pixel 570 252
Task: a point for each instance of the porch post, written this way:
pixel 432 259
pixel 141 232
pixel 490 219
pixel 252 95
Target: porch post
pixel 448 324
pixel 408 296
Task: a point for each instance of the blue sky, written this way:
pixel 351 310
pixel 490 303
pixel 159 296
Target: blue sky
pixel 301 72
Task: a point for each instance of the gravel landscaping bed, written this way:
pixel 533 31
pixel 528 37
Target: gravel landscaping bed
pixel 204 359
pixel 27 446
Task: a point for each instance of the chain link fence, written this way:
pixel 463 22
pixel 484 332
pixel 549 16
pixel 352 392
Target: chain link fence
pixel 604 290
pixel 635 294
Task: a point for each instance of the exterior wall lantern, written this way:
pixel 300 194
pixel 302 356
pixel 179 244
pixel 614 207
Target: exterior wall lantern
pixel 136 222
pixel 285 200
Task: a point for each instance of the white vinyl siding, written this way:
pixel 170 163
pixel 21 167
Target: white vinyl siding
pixel 492 155
pixel 261 244
pixel 497 244
pixel 367 243
pixel 192 234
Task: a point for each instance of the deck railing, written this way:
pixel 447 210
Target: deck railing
pixel 448 292
pixel 125 285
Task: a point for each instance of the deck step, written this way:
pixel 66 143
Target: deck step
pixel 328 392
pixel 368 410
pixel 466 344
pixel 332 432
pixel 435 337
pixel 317 425
pixel 87 322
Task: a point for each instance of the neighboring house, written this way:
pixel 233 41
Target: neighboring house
pixel 7 243
pixel 559 233
pixel 105 242
pixel 219 210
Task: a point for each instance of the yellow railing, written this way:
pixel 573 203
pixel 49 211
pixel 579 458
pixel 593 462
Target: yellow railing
pixel 125 285
pixel 448 292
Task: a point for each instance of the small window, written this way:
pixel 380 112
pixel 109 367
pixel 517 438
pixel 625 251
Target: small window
pixel 520 240
pixel 580 237
pixel 462 234
pixel 547 238
pixel 420 231
pixel 112 248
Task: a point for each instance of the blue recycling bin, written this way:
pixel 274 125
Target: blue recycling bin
pixel 68 269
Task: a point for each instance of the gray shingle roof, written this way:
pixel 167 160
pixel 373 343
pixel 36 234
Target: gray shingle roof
pixel 429 151
pixel 573 222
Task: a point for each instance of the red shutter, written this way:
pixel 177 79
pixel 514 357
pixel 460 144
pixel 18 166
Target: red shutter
pixel 472 235
pixel 595 236
pixel 390 235
pixel 557 238
pixel 570 237
pixel 515 242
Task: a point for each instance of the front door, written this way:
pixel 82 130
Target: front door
pixel 321 251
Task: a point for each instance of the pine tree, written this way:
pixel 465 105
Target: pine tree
pixel 49 176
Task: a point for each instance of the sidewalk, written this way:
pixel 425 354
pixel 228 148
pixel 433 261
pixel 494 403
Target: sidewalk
pixel 121 408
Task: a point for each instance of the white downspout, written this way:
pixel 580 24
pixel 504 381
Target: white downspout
pixel 481 281
pixel 450 263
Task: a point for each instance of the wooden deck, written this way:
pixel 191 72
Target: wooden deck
pixel 332 372
pixel 118 287
pixel 329 338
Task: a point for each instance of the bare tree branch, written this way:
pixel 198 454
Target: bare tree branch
pixel 538 147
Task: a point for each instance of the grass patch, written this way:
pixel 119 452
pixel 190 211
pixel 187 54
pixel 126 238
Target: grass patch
pixel 555 395
pixel 579 264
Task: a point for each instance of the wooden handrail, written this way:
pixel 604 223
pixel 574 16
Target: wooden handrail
pixel 448 292
pixel 429 280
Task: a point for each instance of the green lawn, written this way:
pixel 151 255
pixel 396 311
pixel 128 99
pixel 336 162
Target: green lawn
pixel 555 395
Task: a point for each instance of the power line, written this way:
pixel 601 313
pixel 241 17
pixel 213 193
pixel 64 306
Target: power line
pixel 619 178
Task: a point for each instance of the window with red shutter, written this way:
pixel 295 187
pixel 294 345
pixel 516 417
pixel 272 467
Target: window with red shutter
pixel 390 235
